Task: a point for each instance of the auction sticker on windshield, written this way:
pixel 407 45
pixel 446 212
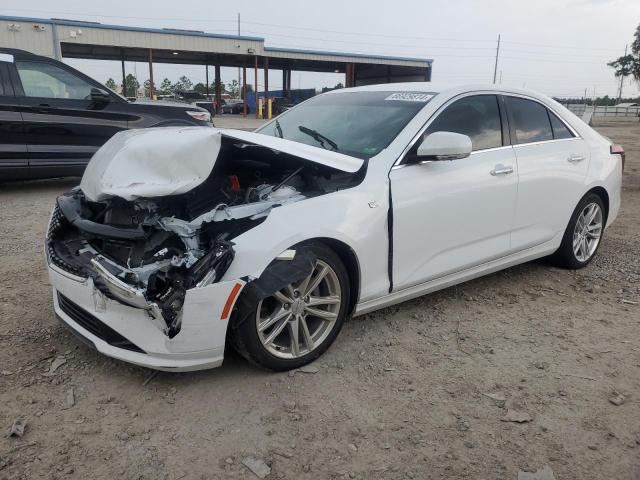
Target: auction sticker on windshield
pixel 410 97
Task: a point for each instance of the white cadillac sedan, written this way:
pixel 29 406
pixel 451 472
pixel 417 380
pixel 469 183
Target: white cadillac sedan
pixel 179 240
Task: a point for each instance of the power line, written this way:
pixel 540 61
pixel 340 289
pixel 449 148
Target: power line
pixel 560 46
pixel 495 68
pixel 404 45
pixel 529 59
pixel 563 54
pixel 341 32
pixel 360 34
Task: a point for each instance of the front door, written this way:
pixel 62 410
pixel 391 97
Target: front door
pixel 63 126
pixel 452 215
pixel 13 147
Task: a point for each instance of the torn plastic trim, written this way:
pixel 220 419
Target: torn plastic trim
pixel 165 305
pixel 120 290
pixel 71 208
pixel 125 293
pixel 277 275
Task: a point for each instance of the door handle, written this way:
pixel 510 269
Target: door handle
pixel 501 170
pixel 43 108
pixel 575 158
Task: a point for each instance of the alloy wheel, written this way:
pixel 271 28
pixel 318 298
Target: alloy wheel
pixel 587 232
pixel 297 319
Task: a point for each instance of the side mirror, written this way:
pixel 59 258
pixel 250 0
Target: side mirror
pixel 99 96
pixel 444 146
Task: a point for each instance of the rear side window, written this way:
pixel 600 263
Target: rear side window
pixel 560 130
pixel 531 121
pixel 476 116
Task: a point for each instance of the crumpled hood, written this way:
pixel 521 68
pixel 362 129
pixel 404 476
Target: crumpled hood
pixel 165 161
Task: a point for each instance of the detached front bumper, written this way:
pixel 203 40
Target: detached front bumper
pixel 131 334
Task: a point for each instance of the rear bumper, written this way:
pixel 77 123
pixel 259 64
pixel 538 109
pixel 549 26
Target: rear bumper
pixel 131 334
pixel 613 186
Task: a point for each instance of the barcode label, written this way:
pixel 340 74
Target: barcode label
pixel 410 97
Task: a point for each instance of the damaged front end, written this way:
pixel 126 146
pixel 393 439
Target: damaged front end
pixel 146 243
pixel 133 257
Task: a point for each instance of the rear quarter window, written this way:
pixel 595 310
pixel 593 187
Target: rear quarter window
pixel 560 130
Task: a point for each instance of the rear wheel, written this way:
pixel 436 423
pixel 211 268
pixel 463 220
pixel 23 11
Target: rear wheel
pixel 583 234
pixel 296 324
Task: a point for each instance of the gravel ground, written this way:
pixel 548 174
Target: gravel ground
pixel 525 369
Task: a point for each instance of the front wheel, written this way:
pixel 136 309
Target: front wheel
pixel 297 323
pixel 583 234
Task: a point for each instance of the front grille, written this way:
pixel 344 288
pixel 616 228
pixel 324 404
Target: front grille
pixel 57 223
pixel 95 326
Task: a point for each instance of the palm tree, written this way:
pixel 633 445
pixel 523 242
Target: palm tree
pixel 629 65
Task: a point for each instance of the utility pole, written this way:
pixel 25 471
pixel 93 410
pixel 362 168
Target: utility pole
pixel 500 81
pixel 495 67
pixel 621 78
pixel 239 69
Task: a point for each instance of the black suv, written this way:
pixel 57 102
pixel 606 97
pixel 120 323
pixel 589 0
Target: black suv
pixel 53 118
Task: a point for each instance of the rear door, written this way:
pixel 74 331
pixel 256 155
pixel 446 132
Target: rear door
pixel 552 166
pixel 13 147
pixel 63 126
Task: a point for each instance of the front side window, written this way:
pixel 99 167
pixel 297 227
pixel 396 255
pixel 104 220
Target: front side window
pixel 361 124
pixel 531 121
pixel 45 80
pixel 476 116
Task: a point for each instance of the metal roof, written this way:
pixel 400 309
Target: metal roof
pixel 107 26
pixel 428 61
pixel 86 39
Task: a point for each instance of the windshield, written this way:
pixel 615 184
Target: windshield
pixel 360 124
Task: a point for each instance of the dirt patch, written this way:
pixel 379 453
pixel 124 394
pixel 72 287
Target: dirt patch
pixel 526 368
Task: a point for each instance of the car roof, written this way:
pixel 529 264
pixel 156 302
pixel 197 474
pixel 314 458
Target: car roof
pixel 449 89
pixel 16 52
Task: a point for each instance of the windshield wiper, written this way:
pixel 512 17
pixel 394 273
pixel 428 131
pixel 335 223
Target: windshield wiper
pixel 279 129
pixel 318 137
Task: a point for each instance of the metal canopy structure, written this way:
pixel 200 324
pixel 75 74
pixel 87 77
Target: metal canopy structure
pixel 58 38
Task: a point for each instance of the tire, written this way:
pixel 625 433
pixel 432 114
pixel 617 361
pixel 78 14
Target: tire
pixel 280 353
pixel 587 237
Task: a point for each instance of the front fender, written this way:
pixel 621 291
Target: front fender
pixel 345 216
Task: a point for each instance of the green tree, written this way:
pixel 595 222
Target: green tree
pixel 629 65
pixel 233 89
pixel 200 88
pixel 147 88
pixel 111 84
pixel 183 84
pixel 131 86
pixel 212 88
pixel 165 87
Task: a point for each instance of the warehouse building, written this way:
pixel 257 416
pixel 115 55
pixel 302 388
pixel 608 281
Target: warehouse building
pixel 58 38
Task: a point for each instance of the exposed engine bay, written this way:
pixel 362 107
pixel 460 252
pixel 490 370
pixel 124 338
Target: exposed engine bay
pixel 147 252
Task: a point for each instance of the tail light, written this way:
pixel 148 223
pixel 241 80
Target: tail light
pixel 618 150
